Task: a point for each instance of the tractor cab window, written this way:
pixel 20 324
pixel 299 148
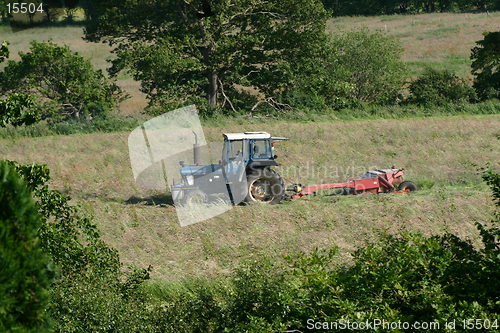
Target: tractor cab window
pixel 235 150
pixel 261 149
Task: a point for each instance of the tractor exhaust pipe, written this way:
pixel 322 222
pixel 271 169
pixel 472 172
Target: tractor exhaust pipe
pixel 196 150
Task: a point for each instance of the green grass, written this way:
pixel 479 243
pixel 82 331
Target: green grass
pixel 110 124
pixel 439 154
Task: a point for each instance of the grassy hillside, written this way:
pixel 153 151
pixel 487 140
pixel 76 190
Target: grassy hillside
pixel 440 40
pixel 439 154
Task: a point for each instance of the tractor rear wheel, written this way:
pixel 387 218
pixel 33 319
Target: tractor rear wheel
pixel 194 197
pixel 265 186
pixel 408 185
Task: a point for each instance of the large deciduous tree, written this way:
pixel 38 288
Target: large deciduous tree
pixel 486 66
pixel 183 49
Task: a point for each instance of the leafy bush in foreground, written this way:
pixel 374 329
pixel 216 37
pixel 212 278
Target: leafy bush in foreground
pixel 72 241
pixel 92 302
pixel 26 273
pixel 91 293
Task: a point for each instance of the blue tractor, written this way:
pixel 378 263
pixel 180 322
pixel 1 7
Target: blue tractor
pixel 244 173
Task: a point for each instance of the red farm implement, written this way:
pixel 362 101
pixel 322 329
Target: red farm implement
pixel 376 181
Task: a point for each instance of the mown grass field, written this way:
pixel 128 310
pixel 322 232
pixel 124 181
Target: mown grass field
pixel 439 154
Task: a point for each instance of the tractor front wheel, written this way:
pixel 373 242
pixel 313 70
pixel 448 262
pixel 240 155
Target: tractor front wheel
pixel 194 197
pixel 265 186
pixel 408 185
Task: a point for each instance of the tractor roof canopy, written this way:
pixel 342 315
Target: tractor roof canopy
pixel 250 136
pixel 246 135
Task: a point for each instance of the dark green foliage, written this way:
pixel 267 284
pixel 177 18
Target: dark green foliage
pixel 3 13
pixel 486 66
pixel 438 88
pixel 89 10
pixel 492 178
pixel 17 109
pixel 89 294
pixel 4 51
pixel 94 303
pixel 419 279
pixel 319 85
pixel 179 57
pixel 72 241
pixel 134 279
pixel 25 271
pixel 66 79
pixel 355 67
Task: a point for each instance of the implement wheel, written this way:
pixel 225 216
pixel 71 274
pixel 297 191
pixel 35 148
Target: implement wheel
pixel 265 186
pixel 408 185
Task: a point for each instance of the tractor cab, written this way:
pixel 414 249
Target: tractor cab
pixel 250 150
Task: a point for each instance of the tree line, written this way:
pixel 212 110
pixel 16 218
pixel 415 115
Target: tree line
pixel 387 7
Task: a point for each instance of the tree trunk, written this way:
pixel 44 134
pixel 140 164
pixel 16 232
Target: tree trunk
pixel 212 88
pixel 427 7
